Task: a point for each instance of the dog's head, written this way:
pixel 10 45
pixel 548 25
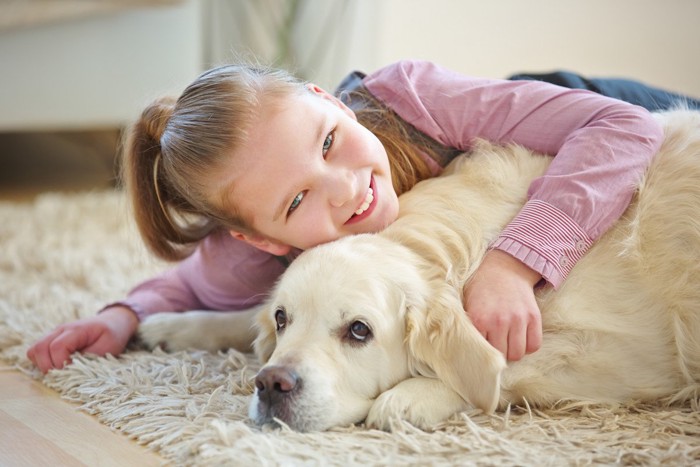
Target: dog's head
pixel 352 318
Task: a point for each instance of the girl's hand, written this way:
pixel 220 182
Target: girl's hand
pixel 500 301
pixel 107 332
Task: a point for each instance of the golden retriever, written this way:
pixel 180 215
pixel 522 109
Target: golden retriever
pixel 371 327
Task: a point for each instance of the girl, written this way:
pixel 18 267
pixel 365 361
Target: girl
pixel 249 166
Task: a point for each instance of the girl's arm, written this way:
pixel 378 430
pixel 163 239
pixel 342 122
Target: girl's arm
pixel 222 274
pixel 602 148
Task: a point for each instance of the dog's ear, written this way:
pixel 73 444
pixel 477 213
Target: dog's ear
pixel 441 337
pixel 266 340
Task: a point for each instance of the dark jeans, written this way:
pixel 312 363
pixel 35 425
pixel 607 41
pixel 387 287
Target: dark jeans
pixel 627 90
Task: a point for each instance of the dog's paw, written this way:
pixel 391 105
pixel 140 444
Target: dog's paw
pixel 423 402
pixel 204 330
pixel 171 332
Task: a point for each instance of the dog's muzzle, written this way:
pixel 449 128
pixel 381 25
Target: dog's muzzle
pixel 276 387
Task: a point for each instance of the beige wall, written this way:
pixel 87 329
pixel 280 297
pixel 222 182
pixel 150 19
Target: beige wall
pixel 651 40
pixel 100 71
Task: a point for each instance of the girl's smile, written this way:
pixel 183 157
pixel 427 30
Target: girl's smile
pixel 367 206
pixel 308 174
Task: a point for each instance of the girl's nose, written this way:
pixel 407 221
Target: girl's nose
pixel 342 189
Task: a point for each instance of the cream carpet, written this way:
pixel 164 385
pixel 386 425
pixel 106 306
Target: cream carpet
pixel 64 256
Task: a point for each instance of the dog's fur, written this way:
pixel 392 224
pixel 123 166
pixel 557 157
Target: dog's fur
pixel 625 325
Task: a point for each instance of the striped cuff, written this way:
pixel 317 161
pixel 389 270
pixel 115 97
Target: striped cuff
pixel 545 239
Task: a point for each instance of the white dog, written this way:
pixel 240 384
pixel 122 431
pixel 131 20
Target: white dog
pixel 371 327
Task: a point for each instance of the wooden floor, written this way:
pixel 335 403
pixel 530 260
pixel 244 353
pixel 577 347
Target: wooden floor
pixel 37 427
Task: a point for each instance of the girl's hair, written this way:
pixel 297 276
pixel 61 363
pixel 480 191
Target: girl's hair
pixel 406 146
pixel 176 146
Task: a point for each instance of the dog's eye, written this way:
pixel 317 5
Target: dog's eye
pixel 360 331
pixel 280 318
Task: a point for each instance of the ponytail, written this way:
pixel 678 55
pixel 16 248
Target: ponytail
pixel 151 197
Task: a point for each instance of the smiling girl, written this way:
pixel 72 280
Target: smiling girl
pixel 250 165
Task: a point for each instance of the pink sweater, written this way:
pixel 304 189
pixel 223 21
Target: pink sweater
pixel 601 146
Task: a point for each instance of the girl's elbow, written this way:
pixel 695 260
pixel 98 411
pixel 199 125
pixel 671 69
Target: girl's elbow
pixel 655 132
pixel 648 128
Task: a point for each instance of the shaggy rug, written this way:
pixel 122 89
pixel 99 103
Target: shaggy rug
pixel 64 256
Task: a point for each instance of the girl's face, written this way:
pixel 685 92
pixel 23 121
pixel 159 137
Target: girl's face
pixel 309 173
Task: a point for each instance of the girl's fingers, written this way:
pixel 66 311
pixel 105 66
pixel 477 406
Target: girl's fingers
pixel 534 336
pixel 516 343
pixel 64 345
pixel 40 353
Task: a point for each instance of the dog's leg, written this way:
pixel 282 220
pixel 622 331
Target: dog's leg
pixel 206 330
pixel 421 401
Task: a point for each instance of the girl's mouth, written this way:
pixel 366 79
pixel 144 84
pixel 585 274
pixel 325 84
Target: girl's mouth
pixel 367 205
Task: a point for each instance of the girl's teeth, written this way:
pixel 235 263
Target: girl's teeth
pixel 366 203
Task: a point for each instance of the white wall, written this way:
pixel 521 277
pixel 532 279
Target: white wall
pixel 99 71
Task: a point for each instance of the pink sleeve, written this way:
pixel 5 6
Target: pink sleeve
pixel 602 148
pixel 222 274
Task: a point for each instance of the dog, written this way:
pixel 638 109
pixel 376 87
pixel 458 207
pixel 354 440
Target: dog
pixel 371 327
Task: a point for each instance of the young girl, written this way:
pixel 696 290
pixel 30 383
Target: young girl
pixel 249 166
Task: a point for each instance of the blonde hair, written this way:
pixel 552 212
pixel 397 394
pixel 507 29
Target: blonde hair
pixel 176 146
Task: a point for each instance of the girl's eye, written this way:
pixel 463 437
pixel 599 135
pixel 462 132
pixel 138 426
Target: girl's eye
pixel 328 142
pixel 295 203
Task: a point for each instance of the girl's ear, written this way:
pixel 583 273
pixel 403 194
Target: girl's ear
pixel 265 244
pixel 331 98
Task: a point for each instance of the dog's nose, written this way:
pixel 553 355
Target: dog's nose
pixel 275 381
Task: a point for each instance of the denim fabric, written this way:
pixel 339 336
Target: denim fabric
pixel 627 90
